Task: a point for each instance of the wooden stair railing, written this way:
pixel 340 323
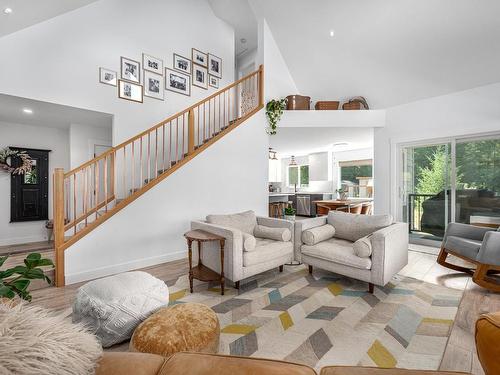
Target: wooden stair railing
pixel 90 194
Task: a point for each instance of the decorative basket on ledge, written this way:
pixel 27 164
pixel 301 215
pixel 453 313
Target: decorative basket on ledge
pixel 327 105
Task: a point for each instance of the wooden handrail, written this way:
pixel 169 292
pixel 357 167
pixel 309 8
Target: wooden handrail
pixel 87 195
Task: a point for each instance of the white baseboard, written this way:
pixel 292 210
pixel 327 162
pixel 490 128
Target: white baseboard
pixel 123 267
pixel 21 240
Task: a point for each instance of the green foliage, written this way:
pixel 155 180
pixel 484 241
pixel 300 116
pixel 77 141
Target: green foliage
pixel 10 284
pixel 479 164
pixel 434 176
pixel 274 111
pixel 293 175
pixel 304 175
pixel 289 211
pixel 351 173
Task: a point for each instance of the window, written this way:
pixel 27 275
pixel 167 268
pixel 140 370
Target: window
pixel 357 177
pixel 299 175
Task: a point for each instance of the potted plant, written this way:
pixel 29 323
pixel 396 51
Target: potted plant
pixel 274 110
pixel 15 281
pixel 290 213
pixel 343 194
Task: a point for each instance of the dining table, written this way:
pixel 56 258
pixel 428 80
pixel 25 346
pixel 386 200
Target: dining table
pixel 323 206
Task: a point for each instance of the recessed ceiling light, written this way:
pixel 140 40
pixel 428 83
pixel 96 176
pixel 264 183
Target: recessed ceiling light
pixel 28 110
pixel 7 10
pixel 340 144
pixel 332 33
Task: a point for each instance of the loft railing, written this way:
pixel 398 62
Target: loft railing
pixel 91 193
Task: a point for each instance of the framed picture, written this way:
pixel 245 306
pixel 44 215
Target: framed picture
pixel 213 81
pixel 108 77
pixel 130 91
pixel 130 70
pixel 177 82
pixel 199 57
pixel 200 76
pixel 182 64
pixel 153 85
pixel 152 64
pixel 215 65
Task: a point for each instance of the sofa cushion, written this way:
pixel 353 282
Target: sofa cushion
pixel 338 251
pixel 352 227
pixel 249 242
pixel 317 234
pixel 266 250
pixel 244 221
pixel 271 233
pixel 363 247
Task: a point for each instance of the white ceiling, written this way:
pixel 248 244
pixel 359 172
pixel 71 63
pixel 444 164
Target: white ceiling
pixel 303 141
pixel 390 51
pixel 29 12
pixel 240 16
pixel 48 114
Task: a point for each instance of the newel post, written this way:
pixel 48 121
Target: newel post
pixel 58 214
pixel 261 85
pixel 191 131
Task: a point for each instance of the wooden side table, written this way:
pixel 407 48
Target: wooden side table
pixel 202 272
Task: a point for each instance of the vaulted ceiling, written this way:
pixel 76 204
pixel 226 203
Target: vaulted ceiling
pixel 390 51
pixel 26 13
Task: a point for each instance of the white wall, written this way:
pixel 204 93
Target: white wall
pixel 149 230
pixel 82 139
pixel 467 112
pixel 54 139
pixel 58 60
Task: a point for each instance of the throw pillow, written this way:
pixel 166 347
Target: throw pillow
pixel 318 234
pixel 271 233
pixel 352 227
pixel 249 242
pixel 244 221
pixel 34 340
pixel 363 247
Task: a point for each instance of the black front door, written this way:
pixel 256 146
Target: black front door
pixel 30 191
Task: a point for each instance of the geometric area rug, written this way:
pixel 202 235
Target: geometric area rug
pixel 326 319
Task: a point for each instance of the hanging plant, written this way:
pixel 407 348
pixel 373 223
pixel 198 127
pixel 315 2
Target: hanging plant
pixel 7 153
pixel 274 110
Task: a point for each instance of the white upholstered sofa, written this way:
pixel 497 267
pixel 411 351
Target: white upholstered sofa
pixel 253 244
pixel 370 248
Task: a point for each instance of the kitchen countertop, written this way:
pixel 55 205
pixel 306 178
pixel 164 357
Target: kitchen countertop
pixel 276 194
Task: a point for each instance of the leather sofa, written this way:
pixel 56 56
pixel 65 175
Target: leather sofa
pixel 115 363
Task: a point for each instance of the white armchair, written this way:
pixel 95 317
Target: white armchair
pixel 253 244
pixel 364 247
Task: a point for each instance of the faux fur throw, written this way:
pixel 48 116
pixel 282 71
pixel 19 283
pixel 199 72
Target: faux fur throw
pixel 34 340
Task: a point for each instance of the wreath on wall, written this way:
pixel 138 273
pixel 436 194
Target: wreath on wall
pixel 7 154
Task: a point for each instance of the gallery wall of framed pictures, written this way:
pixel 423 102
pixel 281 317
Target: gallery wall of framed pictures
pixel 203 70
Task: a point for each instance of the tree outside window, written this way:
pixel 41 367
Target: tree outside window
pixel 298 175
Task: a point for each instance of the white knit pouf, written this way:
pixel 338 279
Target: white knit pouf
pixel 114 306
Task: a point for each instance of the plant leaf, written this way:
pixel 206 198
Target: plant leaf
pixel 2 260
pixel 35 273
pixel 21 284
pixel 6 292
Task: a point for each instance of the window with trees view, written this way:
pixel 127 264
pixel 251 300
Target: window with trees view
pixel 298 175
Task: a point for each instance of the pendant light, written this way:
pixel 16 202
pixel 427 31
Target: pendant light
pixel 292 161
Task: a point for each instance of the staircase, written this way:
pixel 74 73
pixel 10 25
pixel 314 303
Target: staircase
pixel 88 195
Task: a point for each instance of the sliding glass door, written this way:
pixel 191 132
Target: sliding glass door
pixel 425 189
pixel 453 180
pixel 478 182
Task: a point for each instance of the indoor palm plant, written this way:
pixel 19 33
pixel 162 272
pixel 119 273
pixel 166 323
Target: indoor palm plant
pixel 17 279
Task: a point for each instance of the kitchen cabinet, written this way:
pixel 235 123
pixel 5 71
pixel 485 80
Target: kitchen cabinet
pixel 274 171
pixel 318 166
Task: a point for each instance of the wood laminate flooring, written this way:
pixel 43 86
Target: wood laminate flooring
pixel 460 354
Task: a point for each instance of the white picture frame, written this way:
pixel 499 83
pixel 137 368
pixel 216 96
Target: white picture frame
pixel 152 64
pixel 130 70
pixel 200 76
pixel 153 85
pixel 130 91
pixel 177 82
pixel 213 81
pixel 214 65
pixel 182 64
pixel 198 57
pixel 108 77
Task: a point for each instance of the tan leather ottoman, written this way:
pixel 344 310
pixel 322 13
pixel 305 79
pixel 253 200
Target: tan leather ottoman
pixel 355 370
pixel 183 327
pixel 488 342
